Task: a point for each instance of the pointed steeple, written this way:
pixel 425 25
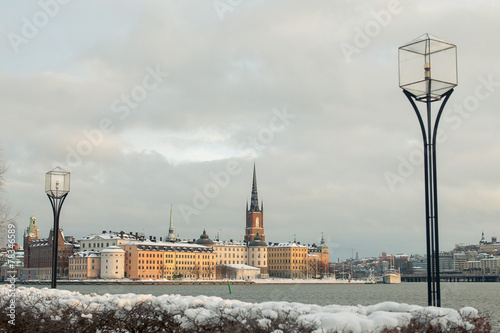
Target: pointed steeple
pixel 171 236
pixel 254 204
pixel 323 243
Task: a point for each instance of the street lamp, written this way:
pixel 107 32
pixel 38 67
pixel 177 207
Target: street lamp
pixel 428 73
pixel 57 188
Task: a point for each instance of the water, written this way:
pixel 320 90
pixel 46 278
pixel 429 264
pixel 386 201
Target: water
pixel 482 296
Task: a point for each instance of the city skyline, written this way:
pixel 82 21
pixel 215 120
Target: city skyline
pixel 152 104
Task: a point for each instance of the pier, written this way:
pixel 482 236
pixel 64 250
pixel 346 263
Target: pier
pixel 453 277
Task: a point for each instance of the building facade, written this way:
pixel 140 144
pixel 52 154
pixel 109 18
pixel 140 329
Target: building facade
pixel 113 263
pixel 319 260
pixel 38 252
pixel 257 255
pixel 84 265
pixel 288 260
pixel 164 260
pixel 106 239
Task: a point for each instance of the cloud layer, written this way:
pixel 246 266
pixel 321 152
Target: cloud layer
pixel 150 103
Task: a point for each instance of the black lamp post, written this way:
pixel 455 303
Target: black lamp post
pixel 57 188
pixel 428 73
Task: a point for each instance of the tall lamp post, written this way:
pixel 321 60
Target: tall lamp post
pixel 428 74
pixel 57 188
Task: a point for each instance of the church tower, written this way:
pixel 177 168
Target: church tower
pixel 255 215
pixel 30 234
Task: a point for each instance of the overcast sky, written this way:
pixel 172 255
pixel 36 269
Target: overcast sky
pixel 157 102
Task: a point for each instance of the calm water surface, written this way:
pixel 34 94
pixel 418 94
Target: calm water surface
pixel 483 296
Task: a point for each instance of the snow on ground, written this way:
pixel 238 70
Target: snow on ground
pixel 329 318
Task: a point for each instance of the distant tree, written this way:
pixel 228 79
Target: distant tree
pixel 5 216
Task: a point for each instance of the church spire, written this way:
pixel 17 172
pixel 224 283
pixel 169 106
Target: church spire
pixel 171 236
pixel 254 205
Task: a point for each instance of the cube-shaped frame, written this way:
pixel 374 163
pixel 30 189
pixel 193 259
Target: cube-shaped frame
pixel 57 183
pixel 428 67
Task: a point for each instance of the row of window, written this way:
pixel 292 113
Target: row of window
pixel 286 261
pixel 159 255
pixel 95 245
pixel 287 267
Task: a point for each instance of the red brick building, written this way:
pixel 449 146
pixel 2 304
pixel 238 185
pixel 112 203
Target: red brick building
pixel 38 252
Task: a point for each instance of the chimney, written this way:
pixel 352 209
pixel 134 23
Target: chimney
pixel 73 240
pixel 150 238
pixel 160 239
pixel 121 234
pixel 104 231
pixel 494 239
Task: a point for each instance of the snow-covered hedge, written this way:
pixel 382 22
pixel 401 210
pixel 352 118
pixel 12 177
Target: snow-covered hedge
pixel 48 310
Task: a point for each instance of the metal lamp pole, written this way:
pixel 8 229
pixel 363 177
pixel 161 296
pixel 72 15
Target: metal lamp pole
pixel 419 85
pixel 57 189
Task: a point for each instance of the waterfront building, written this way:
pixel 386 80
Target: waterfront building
pixel 459 260
pixel 288 260
pixel 472 266
pixel 166 260
pixel 229 252
pixel 38 252
pixel 318 259
pixel 113 263
pixel 446 261
pixel 257 255
pixel 490 265
pixel 84 265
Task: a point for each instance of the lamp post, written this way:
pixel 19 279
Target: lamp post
pixel 57 188
pixel 428 74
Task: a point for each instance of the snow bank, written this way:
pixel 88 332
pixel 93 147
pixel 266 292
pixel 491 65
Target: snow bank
pixel 204 310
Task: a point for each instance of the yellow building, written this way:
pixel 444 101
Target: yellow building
pixel 258 255
pixel 84 265
pixel 490 265
pixel 287 260
pixel 230 253
pixel 165 260
pixel 319 258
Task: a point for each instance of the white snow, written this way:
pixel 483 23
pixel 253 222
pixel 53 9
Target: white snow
pixel 205 310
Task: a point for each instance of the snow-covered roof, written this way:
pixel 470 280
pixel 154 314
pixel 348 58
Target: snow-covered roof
pixel 226 243
pixel 112 249
pixel 168 246
pixel 87 254
pixel 108 235
pixel 289 244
